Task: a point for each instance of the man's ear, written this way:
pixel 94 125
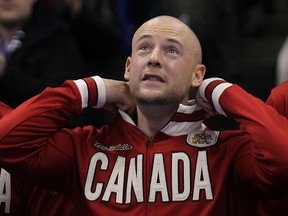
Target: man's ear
pixel 198 75
pixel 127 68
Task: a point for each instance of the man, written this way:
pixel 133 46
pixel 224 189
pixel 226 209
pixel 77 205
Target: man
pixel 159 159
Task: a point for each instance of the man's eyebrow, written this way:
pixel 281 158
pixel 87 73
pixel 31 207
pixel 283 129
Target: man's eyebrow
pixel 172 40
pixel 144 36
pixel 175 41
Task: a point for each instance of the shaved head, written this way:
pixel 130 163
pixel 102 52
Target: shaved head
pixel 165 62
pixel 165 22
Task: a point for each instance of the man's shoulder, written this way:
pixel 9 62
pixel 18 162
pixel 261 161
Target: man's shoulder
pixel 4 109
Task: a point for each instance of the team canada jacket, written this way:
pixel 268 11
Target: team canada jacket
pixel 185 169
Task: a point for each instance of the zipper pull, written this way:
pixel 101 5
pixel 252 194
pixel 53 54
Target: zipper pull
pixel 148 141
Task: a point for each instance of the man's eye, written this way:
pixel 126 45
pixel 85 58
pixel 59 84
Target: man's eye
pixel 144 48
pixel 173 51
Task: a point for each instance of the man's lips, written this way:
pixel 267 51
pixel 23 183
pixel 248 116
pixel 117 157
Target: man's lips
pixel 152 77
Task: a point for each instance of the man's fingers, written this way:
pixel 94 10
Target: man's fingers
pixel 205 106
pixel 118 96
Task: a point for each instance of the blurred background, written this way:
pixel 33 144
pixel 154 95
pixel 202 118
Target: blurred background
pixel 260 43
pixel 241 39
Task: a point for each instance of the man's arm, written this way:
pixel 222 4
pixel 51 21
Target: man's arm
pixel 266 128
pixel 27 130
pixel 278 98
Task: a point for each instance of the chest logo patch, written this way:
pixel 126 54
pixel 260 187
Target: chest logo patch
pixel 202 139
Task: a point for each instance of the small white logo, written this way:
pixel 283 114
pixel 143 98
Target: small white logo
pixel 202 139
pixel 120 147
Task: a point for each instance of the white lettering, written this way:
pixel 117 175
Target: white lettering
pixel 135 179
pixel 125 181
pixel 202 179
pixel 176 158
pixel 5 189
pixel 90 195
pixel 158 179
pixel 116 181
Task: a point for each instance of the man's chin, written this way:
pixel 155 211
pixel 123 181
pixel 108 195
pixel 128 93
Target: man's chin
pixel 152 100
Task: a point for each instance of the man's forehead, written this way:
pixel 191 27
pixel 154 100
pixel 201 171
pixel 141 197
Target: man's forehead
pixel 164 24
pixel 161 28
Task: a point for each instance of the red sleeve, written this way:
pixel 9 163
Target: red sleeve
pixel 39 119
pixel 279 98
pixel 266 128
pixel 4 109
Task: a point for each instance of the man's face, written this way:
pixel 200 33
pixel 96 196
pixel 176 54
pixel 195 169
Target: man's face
pixel 162 62
pixel 15 11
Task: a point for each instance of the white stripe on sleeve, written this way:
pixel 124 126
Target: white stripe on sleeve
pixel 101 88
pixel 204 85
pixel 216 95
pixel 82 86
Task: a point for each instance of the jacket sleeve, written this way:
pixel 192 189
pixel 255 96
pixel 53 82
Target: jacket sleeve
pixel 278 98
pixel 29 134
pixel 266 128
pixel 4 109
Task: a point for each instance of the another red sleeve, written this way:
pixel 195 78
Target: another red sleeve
pixel 27 130
pixel 4 109
pixel 39 118
pixel 266 128
pixel 279 98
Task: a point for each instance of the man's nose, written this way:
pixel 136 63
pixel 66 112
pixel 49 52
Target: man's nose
pixel 154 60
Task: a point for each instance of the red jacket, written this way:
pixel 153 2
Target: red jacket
pixel 184 169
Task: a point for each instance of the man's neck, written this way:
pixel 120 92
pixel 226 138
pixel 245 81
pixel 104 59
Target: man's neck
pixel 151 119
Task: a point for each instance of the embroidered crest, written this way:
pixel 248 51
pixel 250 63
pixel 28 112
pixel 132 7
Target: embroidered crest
pixel 202 139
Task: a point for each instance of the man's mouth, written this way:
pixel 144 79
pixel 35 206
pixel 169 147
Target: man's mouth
pixel 152 78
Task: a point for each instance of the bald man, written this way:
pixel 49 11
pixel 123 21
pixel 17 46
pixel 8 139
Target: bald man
pixel 156 157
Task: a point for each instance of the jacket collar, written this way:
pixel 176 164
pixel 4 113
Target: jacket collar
pixel 186 119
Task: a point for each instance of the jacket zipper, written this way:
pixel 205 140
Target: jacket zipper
pixel 148 142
